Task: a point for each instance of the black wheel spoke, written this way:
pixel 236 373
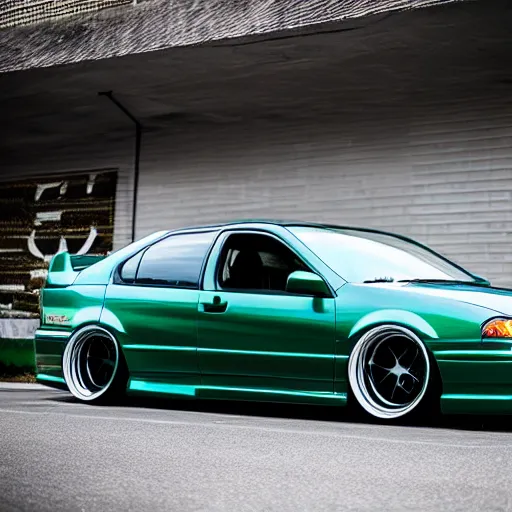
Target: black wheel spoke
pixel 389 371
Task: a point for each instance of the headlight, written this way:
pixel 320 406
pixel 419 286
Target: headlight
pixel 497 328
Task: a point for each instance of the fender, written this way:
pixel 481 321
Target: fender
pixel 394 316
pixel 89 315
pixel 110 320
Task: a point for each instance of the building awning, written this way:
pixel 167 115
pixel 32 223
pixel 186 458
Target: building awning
pixel 63 38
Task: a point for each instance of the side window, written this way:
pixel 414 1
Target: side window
pixel 175 261
pixel 256 262
pixel 129 269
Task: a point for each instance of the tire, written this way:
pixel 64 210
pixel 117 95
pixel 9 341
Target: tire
pixel 391 373
pixel 93 366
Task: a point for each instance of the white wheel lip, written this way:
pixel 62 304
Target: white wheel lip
pixel 68 364
pixel 355 375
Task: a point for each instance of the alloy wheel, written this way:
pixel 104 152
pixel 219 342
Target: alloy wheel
pixel 90 362
pixel 389 371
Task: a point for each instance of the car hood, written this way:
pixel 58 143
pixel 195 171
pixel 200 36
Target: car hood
pixel 495 299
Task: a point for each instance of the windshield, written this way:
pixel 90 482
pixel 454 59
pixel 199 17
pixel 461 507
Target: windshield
pixel 360 256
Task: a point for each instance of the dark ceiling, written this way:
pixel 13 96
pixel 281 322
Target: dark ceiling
pixel 414 57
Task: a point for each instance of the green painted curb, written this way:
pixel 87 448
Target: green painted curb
pixel 18 353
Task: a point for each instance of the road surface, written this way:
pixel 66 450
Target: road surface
pixel 59 455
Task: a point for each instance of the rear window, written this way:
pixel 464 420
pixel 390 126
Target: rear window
pixel 175 261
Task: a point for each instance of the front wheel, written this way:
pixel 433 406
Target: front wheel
pixel 389 372
pixel 93 366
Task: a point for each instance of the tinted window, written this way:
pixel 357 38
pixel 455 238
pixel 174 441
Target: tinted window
pixel 175 261
pixel 256 262
pixel 129 269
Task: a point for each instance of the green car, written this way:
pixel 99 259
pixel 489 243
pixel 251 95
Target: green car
pixel 281 312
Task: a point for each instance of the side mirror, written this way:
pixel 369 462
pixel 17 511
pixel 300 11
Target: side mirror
pixel 307 283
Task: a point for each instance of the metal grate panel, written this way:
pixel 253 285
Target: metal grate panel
pixel 27 12
pixel 159 24
pixel 45 215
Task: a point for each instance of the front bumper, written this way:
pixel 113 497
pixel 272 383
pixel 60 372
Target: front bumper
pixel 477 381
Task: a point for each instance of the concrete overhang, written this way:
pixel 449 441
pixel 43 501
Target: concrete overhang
pixel 408 60
pixel 153 25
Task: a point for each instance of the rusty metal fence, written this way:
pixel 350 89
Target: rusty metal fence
pixel 45 215
pixel 27 12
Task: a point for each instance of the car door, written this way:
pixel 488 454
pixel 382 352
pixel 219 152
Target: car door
pixel 152 303
pixel 253 337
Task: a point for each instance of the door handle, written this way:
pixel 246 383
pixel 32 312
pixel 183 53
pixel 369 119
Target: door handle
pixel 217 305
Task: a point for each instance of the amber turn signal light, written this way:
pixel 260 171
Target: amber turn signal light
pixel 498 328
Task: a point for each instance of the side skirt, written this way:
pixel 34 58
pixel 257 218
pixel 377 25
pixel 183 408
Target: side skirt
pixel 476 404
pixel 51 381
pixel 189 391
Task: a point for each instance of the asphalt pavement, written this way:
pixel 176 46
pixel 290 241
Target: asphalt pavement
pixel 60 455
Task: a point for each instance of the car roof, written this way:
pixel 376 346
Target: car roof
pixel 291 223
pixel 317 225
pixel 288 223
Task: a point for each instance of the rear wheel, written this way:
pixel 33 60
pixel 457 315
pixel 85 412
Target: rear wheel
pixel 93 366
pixel 389 372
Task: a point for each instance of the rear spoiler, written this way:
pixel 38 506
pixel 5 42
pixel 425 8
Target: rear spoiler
pixel 64 268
